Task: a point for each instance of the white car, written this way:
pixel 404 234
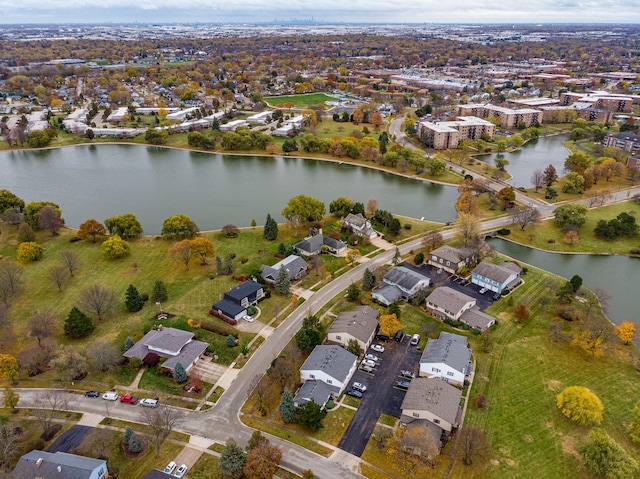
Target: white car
pixel 110 396
pixel 170 467
pixel 359 387
pixel 368 362
pixel 377 348
pixel 181 471
pixel 149 402
pixel 371 357
pixel 247 318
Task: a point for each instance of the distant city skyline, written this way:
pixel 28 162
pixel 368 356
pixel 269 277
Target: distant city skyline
pixel 355 11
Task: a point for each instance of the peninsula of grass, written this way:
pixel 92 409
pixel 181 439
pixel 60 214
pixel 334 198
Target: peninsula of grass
pixel 299 101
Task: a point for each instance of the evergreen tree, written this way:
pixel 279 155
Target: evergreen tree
pixel 270 229
pixel 282 282
pixel 576 282
pixel 310 416
pixel 358 207
pixel 282 249
pixel 179 374
pixel 397 258
pixel 395 309
pixel 133 300
pixel 230 341
pixel 159 294
pixel 135 445
pixel 353 293
pixel 128 343
pixel 231 462
pixel 78 325
pixel 287 407
pixel 128 432
pixel 228 265
pixel 368 280
pixel 219 267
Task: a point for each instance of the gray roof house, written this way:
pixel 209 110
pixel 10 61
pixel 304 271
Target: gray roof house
pixel 433 400
pixel 46 465
pixel 235 302
pixel 496 277
pixel 319 244
pixel 176 345
pixel 296 268
pixel 446 357
pixel 449 258
pixel 360 324
pixel 359 225
pixel 332 365
pixel 445 302
pixel 400 282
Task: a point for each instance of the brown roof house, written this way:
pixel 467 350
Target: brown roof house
pixel 360 324
pixel 359 225
pixel 447 303
pixel 433 400
pixel 450 259
pixel 176 345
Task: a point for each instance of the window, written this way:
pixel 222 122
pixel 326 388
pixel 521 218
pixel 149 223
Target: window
pixel 415 414
pixel 448 263
pixel 449 373
pixel 435 370
pixel 312 376
pixel 436 421
pixel 339 338
pixel 329 381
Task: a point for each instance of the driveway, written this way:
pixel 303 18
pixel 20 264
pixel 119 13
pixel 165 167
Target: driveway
pixel 70 439
pixel 381 396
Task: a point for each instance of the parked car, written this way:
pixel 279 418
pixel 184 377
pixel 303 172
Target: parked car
pixel 110 396
pixel 128 398
pixel 247 318
pixel 354 393
pixel 496 296
pixel 465 282
pixel 146 402
pixel 407 374
pixel 482 290
pixel 368 362
pixel 382 337
pixel 415 339
pixel 377 348
pixel 181 471
pixel 403 384
pixel 92 394
pixel 371 357
pixel 359 387
pixel 170 468
pixel 365 368
pixel 399 336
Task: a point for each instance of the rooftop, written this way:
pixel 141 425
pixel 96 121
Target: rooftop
pixel 433 395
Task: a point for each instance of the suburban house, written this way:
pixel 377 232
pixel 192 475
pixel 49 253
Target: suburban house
pixel 261 118
pixel 434 401
pixel 359 324
pixel 318 244
pixel 233 125
pixel 175 345
pixel 235 302
pixel 400 283
pixel 447 303
pixel 446 357
pixel 296 268
pixel 324 374
pixel 359 225
pixel 46 465
pixel 496 277
pixel 449 258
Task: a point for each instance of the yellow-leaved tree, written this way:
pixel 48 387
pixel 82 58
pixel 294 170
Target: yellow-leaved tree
pixel 580 405
pixel 389 324
pixel 626 331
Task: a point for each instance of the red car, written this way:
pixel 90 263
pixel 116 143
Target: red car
pixel 129 399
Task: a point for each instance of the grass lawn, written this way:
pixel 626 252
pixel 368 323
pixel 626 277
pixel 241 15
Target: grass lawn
pixel 540 235
pixel 153 381
pixel 205 468
pixel 299 101
pixel 287 434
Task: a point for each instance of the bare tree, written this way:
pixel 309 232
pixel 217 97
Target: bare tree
pixel 472 445
pixel 259 386
pixel 34 359
pixel 98 300
pixel 432 240
pixel 49 219
pixel 47 406
pixel 6 292
pixel 183 252
pixel 282 372
pixel 6 326
pixel 103 356
pixel 58 275
pixel 42 324
pixel 98 443
pixel 537 179
pixel 372 206
pixel 554 329
pixel 162 420
pixel 525 215
pixel 10 444
pixel 11 274
pixel 602 297
pixel 71 260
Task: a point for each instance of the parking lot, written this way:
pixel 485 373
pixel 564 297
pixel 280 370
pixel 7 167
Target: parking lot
pixel 381 397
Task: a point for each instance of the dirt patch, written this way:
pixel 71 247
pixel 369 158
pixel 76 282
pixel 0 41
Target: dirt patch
pixel 549 425
pixel 528 438
pixel 504 315
pixel 510 462
pixel 504 451
pixel 494 462
pixel 569 446
pixel 554 384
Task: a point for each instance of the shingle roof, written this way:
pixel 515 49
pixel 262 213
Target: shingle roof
pixel 359 323
pixel 188 354
pixel 316 390
pixel 447 351
pixel 294 265
pixel 229 307
pixel 387 294
pixel 71 466
pixel 449 253
pixel 243 290
pixel 405 277
pixel 333 360
pixel 433 395
pixel 496 272
pixel 314 244
pixel 477 319
pixel 170 339
pixel 449 299
pixel 156 474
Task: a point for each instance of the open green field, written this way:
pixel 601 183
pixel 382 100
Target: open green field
pixel 299 101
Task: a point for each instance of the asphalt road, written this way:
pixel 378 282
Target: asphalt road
pixel 70 439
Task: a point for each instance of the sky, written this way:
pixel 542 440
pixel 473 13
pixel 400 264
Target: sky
pixel 352 11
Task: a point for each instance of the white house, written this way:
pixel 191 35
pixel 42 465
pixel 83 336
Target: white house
pixel 285 130
pixel 432 400
pixel 261 118
pixel 400 282
pixel 446 357
pixel 447 303
pixel 233 125
pixel 360 324
pixel 496 277
pixel 182 115
pixel 47 465
pixel 359 225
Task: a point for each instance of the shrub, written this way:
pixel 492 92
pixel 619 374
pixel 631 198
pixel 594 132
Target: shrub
pixel 231 341
pixel 504 231
pixel 418 259
pixel 115 247
pixel 135 445
pixel 29 251
pixel 580 405
pixel 407 226
pixel 217 327
pixel 481 401
pixel 635 251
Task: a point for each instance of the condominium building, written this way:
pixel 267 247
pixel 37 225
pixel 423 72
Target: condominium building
pixel 508 117
pixel 448 134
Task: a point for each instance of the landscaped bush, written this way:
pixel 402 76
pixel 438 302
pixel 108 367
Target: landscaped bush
pixel 504 231
pixel 251 310
pixel 217 327
pixel 223 317
pixel 418 259
pixel 481 401
pixel 231 341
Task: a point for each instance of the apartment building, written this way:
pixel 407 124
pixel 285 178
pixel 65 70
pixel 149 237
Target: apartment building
pixel 443 135
pixel 508 117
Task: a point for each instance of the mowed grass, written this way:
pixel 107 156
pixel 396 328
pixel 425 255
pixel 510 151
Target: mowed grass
pixel 538 236
pixel 299 101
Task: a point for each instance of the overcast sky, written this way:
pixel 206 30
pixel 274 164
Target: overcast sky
pixel 382 11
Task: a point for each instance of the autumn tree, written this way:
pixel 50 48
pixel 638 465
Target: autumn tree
pixel 389 324
pixel 11 399
pixel 306 207
pixel 521 313
pixel 30 251
pixel 49 219
pixel 580 405
pixel 70 260
pixel 467 202
pixel 98 300
pixel 182 252
pixel 571 237
pixel 591 340
pixel 161 421
pixel 9 367
pixel 203 248
pixel 179 226
pixel 468 228
pixel 115 247
pixel 605 458
pixel 262 461
pixel 626 331
pixel 341 206
pixel 570 214
pixel 525 215
pixel 413 450
pixel 124 226
pixel 549 175
pixel 91 229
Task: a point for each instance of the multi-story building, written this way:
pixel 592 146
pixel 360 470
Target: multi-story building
pixel 448 134
pixel 508 117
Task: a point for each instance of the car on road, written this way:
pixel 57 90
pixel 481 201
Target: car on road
pixel 359 387
pixel 92 394
pixel 496 296
pixel 382 337
pixel 170 468
pixel 128 398
pixel 365 368
pixel 146 402
pixel 377 348
pixel 247 318
pixel 181 471
pixel 371 357
pixel 110 396
pixel 482 290
pixel 354 393
pixel 403 384
pixel 407 374
pixel 368 362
